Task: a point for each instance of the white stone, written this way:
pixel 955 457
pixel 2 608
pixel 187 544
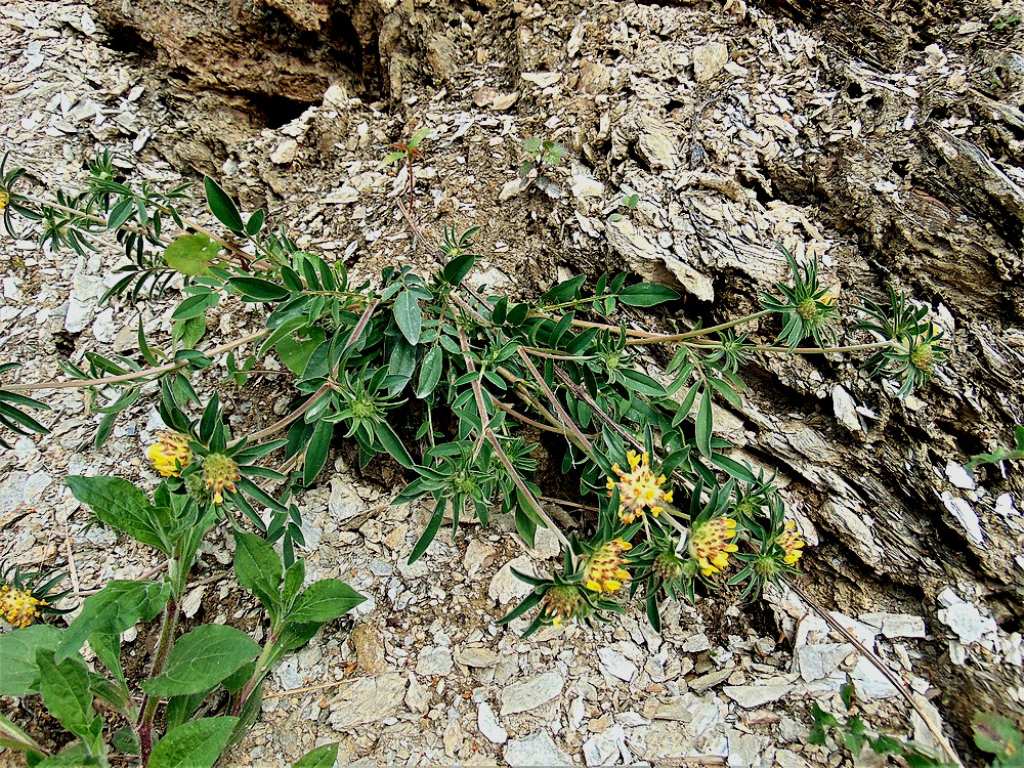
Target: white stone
pixel 745 749
pixel 346 194
pixel 584 185
pixel 607 748
pixel 616 665
pixel 434 662
pixel 505 587
pixel 708 60
pixel 510 189
pixel 897 624
pixel 968 623
pixel 535 750
pixel 531 693
pixel 368 700
pixel 477 554
pixel 285 152
pixel 657 146
pixel 488 724
pixel 344 503
pixel 964 512
pixel 870 682
pixel 476 657
pixel 819 661
pixel 959 476
pixel 752 696
pixel 845 408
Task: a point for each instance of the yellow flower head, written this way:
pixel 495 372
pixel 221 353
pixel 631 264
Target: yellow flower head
pixel 711 543
pixel 18 607
pixel 603 571
pixel 639 489
pixel 220 473
pixel 5 198
pixel 562 603
pixel 792 543
pixel 170 453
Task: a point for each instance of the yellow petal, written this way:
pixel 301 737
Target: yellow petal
pixel 593 586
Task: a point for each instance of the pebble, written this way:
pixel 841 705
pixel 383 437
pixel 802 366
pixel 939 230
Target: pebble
pixel 531 693
pixel 535 750
pixel 489 726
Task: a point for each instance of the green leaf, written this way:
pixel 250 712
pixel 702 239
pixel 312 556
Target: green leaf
pixel 456 269
pixel 321 757
pixel 255 289
pixel 258 569
pixel 222 206
pixel 295 354
pixel 999 735
pixel 324 601
pixel 19 673
pixel 195 306
pixel 202 658
pixel 408 316
pixel 117 503
pixel 704 424
pixel 65 691
pixel 430 372
pixel 13 737
pixel 115 608
pixel 393 444
pixel 191 254
pixel 197 744
pixel 647 295
pixel 316 451
pixel 642 383
pixel 429 532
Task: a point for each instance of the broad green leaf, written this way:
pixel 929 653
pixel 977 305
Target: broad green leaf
pixel 321 757
pixel 202 658
pixel 258 569
pixel 430 372
pixel 647 295
pixel 195 306
pixel 115 608
pixel 19 673
pixel 191 254
pixel 456 269
pixel 65 691
pixel 257 290
pixel 197 744
pixel 408 316
pixel 120 505
pixel 999 736
pixel 295 354
pixel 704 424
pixel 324 601
pixel 222 206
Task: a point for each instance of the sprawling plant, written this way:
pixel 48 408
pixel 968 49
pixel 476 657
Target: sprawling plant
pixel 462 390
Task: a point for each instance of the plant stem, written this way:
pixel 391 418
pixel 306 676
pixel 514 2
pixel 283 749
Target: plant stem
pixel 697 332
pixel 799 350
pixel 150 704
pixel 124 377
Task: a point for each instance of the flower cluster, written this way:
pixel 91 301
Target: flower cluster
pixel 792 543
pixel 5 198
pixel 170 454
pixel 562 603
pixel 603 571
pixel 639 489
pixel 18 607
pixel 711 544
pixel 220 473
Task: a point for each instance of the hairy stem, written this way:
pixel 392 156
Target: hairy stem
pixel 150 704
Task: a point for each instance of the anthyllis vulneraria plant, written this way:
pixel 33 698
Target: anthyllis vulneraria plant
pixel 455 387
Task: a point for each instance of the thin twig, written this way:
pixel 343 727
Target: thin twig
pixel 880 665
pixel 122 378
